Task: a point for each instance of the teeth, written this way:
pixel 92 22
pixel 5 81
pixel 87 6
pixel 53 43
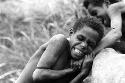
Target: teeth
pixel 78 51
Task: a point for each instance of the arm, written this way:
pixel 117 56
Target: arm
pixel 114 11
pixel 41 75
pixel 56 47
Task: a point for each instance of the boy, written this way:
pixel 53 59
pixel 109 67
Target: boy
pixel 55 59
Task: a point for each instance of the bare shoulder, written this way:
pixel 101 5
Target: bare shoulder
pixel 58 39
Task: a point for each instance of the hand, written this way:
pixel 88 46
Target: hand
pixel 86 67
pixel 87 64
pixel 76 65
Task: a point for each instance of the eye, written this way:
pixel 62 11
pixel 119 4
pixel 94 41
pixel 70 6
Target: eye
pixel 91 44
pixel 80 37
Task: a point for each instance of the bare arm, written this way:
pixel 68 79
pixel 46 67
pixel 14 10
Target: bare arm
pixel 114 12
pixel 43 75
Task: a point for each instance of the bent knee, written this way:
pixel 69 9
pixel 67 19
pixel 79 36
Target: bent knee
pixel 39 75
pixel 35 75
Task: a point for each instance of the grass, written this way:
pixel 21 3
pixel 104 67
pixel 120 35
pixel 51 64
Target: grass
pixel 24 26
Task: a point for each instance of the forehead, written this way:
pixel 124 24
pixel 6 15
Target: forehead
pixel 89 33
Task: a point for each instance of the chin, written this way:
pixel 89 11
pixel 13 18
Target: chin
pixel 76 57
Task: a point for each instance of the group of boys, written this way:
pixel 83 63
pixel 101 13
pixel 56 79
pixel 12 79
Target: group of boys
pixel 69 60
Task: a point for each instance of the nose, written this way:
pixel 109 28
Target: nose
pixel 83 45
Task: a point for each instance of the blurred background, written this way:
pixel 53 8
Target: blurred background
pixel 27 24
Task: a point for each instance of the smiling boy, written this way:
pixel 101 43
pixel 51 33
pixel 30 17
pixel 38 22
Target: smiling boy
pixel 60 59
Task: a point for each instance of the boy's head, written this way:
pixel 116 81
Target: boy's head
pixel 98 8
pixel 91 22
pixel 86 33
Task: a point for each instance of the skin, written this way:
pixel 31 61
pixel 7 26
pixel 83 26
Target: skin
pixel 114 11
pixel 57 66
pixel 100 11
pixel 83 42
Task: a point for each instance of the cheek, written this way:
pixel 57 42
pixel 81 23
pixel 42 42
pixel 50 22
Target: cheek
pixel 74 43
pixel 89 50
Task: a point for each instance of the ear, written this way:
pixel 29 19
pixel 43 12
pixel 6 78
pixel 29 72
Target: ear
pixel 71 31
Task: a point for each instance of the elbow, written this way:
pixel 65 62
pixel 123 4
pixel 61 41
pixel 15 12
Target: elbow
pixel 116 34
pixel 119 34
pixel 38 75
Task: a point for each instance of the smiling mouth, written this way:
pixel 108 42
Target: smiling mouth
pixel 78 52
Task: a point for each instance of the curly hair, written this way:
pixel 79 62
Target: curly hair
pixel 91 22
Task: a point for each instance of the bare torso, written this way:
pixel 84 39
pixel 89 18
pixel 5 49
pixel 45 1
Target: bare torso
pixel 63 62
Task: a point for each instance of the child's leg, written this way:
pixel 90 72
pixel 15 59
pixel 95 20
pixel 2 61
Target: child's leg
pixel 26 75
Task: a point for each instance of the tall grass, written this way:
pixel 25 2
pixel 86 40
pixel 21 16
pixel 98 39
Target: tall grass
pixel 24 26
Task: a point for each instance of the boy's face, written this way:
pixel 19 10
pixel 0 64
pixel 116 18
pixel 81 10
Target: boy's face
pixel 82 42
pixel 100 11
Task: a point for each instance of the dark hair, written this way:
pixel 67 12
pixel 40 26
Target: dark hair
pixel 114 1
pixel 91 22
pixel 119 46
pixel 94 2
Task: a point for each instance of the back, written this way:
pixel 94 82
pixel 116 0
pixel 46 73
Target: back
pixel 108 67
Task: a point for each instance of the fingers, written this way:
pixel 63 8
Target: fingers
pixel 87 64
pixel 88 58
pixel 76 65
